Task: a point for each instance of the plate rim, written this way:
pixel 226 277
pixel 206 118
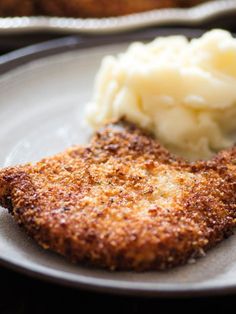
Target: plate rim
pixel 19 57
pixel 130 289
pixel 159 17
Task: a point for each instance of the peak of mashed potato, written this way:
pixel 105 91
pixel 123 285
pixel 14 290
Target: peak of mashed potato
pixel 182 91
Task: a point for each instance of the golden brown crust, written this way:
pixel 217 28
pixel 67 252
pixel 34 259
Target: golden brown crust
pixel 123 202
pixel 86 8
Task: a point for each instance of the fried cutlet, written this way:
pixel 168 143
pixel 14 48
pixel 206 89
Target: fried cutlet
pixel 86 8
pixel 105 8
pixel 16 7
pixel 123 201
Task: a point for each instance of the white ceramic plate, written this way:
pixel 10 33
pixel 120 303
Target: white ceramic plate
pixel 41 113
pixel 192 16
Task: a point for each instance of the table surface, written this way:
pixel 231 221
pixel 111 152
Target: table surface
pixel 21 294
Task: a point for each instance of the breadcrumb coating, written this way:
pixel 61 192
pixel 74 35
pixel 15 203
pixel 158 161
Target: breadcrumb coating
pixel 124 202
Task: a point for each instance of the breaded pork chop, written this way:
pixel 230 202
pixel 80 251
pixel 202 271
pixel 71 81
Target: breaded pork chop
pixel 123 202
pixel 106 8
pixel 87 8
pixel 16 7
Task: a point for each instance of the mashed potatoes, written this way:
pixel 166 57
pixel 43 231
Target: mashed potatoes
pixel 182 91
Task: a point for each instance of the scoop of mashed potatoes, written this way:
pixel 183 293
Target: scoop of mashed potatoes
pixel 183 91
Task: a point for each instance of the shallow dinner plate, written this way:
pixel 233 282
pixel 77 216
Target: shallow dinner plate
pixel 44 90
pixel 175 16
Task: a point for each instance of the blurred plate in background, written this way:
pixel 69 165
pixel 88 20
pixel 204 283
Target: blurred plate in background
pixel 192 16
